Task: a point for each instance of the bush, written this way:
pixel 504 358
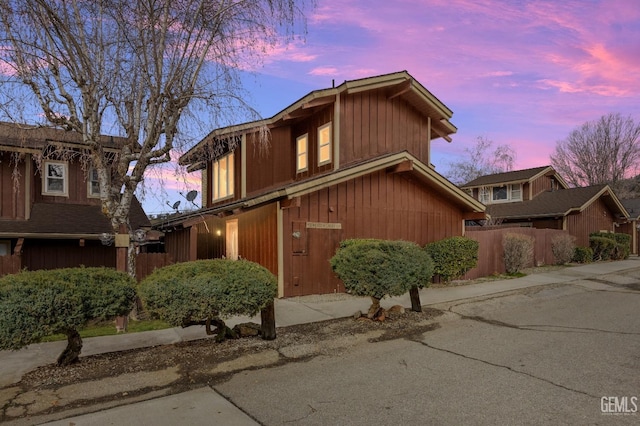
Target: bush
pixel 583 255
pixel 563 248
pixel 205 291
pixel 41 303
pixel 621 245
pixel 453 257
pixel 377 268
pixel 518 252
pixel 603 247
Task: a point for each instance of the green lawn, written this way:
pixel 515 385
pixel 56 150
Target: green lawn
pixel 109 328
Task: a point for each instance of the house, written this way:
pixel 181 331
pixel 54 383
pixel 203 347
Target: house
pixel 50 211
pixel 351 161
pixel 632 205
pixel 540 198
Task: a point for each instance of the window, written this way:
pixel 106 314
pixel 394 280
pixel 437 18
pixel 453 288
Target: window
pixel 55 178
pixel 324 144
pixel 516 192
pixel 500 193
pixel 484 195
pixel 5 247
pixel 223 177
pixel 302 147
pixel 93 185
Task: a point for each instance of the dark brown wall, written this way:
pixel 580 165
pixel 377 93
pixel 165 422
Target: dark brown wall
pixel 594 218
pixel 12 203
pixel 258 236
pixel 78 187
pixel 178 244
pixel 379 205
pixel 53 254
pixel 541 184
pixel 373 125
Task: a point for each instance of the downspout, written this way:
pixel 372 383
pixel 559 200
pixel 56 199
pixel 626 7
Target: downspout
pixel 336 133
pixel 280 233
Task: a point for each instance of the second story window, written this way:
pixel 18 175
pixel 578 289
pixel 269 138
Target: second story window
pixel 484 195
pixel 324 144
pixel 302 145
pixel 55 178
pixel 223 177
pixel 500 193
pixel 93 184
pixel 516 192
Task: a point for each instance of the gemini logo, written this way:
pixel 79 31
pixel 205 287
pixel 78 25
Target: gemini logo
pixel 619 405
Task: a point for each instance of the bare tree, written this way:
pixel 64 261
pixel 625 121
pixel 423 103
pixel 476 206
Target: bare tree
pixel 135 67
pixel 601 151
pixel 481 160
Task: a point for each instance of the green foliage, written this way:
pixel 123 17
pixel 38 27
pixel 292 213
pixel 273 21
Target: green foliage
pixel 563 247
pixel 193 291
pixel 583 255
pixel 35 304
pixel 518 252
pixel 603 247
pixel 376 268
pixel 453 257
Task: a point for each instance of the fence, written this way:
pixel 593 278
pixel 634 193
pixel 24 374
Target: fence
pixel 147 262
pixel 10 264
pixel 491 253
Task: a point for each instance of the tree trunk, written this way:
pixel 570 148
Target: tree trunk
pixel 414 294
pixel 268 322
pixel 72 351
pixel 375 307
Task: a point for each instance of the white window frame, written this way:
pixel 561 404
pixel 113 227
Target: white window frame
pixel 90 181
pixel 515 189
pixel 64 169
pixel 223 188
pixel 324 144
pixel 302 155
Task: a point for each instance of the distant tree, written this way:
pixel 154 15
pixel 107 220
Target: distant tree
pixel 601 151
pixel 135 68
pixel 480 160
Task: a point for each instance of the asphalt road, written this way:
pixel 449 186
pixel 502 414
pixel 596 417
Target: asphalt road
pixel 561 354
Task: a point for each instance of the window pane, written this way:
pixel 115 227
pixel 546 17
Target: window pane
pixel 302 153
pixel 325 153
pixel 324 144
pixel 216 181
pixel 230 175
pixel 55 170
pixel 223 177
pixel 516 193
pixel 500 193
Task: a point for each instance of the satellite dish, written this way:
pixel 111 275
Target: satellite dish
pixel 191 195
pixel 176 205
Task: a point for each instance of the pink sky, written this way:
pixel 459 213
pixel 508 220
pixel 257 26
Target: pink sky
pixel 523 73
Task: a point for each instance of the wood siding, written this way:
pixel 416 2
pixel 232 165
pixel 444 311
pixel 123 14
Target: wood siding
pixel 596 217
pixel 146 263
pixel 258 236
pixel 491 251
pixel 12 198
pixel 373 125
pixel 178 244
pixel 54 254
pixel 379 205
pixel 10 264
pixel 540 185
pixel 77 187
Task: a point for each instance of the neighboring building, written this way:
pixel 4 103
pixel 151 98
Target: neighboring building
pixel 351 161
pixel 51 216
pixel 540 198
pixel 632 206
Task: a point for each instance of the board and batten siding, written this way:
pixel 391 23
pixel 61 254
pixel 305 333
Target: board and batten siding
pixel 373 125
pixel 378 205
pixel 596 217
pixel 12 202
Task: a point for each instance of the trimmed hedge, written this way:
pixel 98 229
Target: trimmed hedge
pixel 190 292
pixel 453 257
pixel 35 304
pixel 376 268
pixel 618 247
pixel 583 255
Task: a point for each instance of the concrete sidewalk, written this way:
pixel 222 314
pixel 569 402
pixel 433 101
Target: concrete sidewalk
pixel 299 310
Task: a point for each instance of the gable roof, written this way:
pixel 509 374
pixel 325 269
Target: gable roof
pixel 29 138
pixel 516 176
pixel 68 221
pixel 398 84
pixel 558 203
pixel 632 206
pixel 402 161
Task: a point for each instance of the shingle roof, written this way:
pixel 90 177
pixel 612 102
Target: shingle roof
pixel 69 220
pixel 633 207
pixel 507 177
pixel 551 203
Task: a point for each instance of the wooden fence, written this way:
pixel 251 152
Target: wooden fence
pixel 146 263
pixel 491 253
pixel 10 264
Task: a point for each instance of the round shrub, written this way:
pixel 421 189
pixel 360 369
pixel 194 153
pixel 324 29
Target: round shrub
pixel 563 247
pixel 583 255
pixel 453 257
pixel 35 304
pixel 190 292
pixel 377 268
pixel 518 252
